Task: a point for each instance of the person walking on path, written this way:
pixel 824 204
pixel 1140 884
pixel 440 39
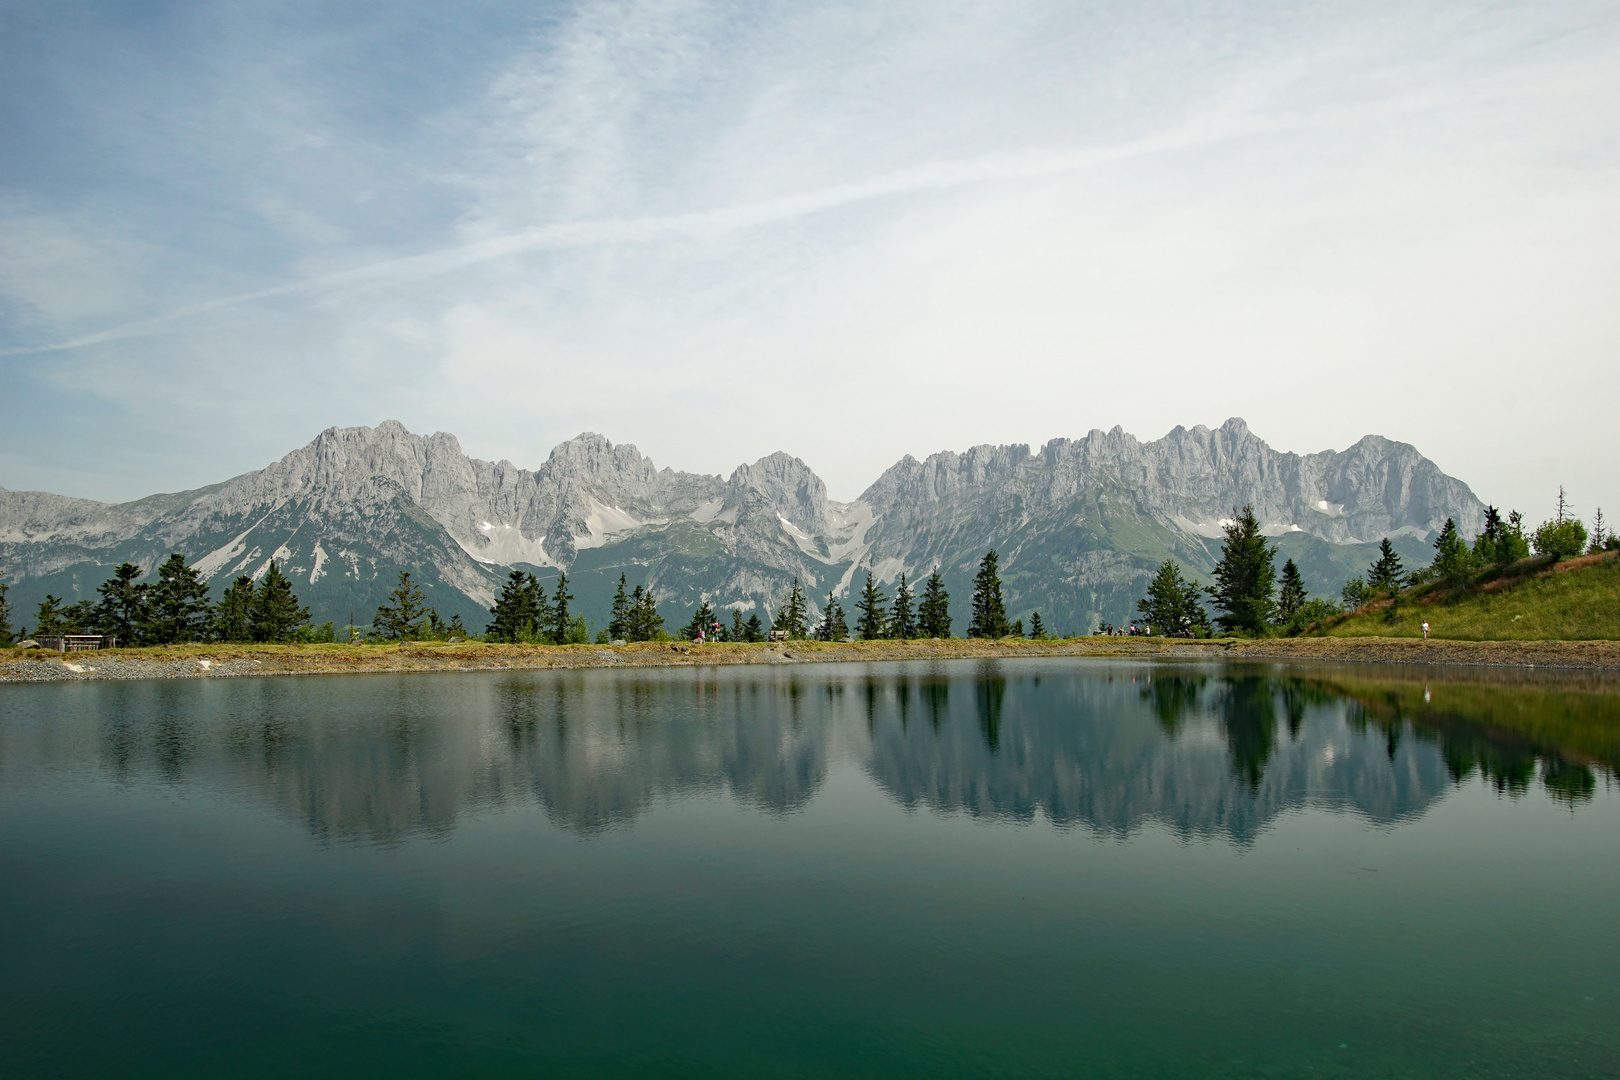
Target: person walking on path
pixel 1425 629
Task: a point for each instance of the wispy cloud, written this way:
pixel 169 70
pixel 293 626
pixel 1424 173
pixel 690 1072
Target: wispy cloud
pixel 777 224
pixel 722 221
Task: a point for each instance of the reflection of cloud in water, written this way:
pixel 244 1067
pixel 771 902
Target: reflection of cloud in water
pixel 1204 752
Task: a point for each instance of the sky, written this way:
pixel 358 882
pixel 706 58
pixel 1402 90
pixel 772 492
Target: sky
pixel 850 231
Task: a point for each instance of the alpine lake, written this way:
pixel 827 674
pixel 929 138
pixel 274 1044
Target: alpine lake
pixel 1032 868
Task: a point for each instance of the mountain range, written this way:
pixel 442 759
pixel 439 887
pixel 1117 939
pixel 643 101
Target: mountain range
pixel 1080 523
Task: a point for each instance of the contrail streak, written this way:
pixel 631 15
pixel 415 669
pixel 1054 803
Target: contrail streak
pixel 608 231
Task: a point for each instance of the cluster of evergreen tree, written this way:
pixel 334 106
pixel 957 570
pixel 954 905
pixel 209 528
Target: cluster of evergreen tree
pixel 793 614
pixel 635 615
pixel 407 617
pixel 1249 594
pixel 1503 541
pixel 523 613
pixel 175 609
pixel 1252 598
pixel 876 618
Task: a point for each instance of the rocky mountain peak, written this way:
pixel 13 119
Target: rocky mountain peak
pixel 788 485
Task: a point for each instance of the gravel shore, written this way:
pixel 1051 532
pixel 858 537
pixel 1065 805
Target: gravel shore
pixel 231 661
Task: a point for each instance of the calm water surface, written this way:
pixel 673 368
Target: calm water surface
pixel 1042 868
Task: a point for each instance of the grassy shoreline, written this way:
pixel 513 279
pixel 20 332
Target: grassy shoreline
pixel 215 661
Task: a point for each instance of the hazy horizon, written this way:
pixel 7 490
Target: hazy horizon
pixel 717 230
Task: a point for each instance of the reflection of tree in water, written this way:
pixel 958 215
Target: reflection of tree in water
pixel 1172 697
pixel 1472 737
pixel 936 691
pixel 1249 717
pixel 990 690
pixel 384 758
pixel 1188 749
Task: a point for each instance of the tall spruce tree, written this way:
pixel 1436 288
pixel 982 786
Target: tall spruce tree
pixel 405 618
pixel 276 613
pixel 6 634
pixel 513 615
pixel 619 620
pixel 902 616
pixel 562 623
pixel 1386 572
pixel 1290 592
pixel 1451 555
pixel 178 611
pixel 833 627
pixel 123 604
pixel 233 613
pixel 989 612
pixel 874 620
pixel 1037 629
pixel 739 629
pixel 754 629
pixel 934 612
pixel 1245 576
pixel 793 614
pixel 645 623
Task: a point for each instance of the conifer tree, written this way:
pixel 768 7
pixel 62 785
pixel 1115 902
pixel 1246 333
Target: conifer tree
pixel 833 627
pixel 513 614
pixel 989 612
pixel 1451 555
pixel 122 610
pixel 934 612
pixel 80 618
pixel 702 621
pixel 48 621
pixel 178 610
pixel 405 618
pixel 1244 576
pixel 645 622
pixel 1016 629
pixel 234 610
pixel 1386 572
pixel 1037 629
pixel 1485 542
pixel 793 614
pixel 1173 605
pixel 1290 592
pixel 1515 545
pixel 562 623
pixel 619 621
pixel 738 631
pixel 873 621
pixel 275 613
pixel 6 636
pixel 902 617
pixel 754 629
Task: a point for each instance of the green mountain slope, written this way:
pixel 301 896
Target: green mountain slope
pixel 1533 600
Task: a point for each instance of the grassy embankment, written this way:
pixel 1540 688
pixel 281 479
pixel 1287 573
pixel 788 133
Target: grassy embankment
pixel 1534 599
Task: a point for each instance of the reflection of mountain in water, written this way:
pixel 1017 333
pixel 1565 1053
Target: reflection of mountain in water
pixel 1203 755
pixel 382 758
pixel 1205 752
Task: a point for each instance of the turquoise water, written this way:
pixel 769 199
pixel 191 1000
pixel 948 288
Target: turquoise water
pixel 1040 868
